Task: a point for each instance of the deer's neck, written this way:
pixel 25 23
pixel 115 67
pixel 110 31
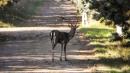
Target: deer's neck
pixel 72 33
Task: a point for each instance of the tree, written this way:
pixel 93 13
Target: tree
pixel 117 11
pixel 5 9
pixel 7 3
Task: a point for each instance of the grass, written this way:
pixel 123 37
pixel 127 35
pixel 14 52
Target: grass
pixel 113 56
pixel 96 32
pixel 2 24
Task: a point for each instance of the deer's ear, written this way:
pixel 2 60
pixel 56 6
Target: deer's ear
pixel 70 25
pixel 76 26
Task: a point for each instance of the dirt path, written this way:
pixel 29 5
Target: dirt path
pixel 49 13
pixel 31 53
pixel 27 50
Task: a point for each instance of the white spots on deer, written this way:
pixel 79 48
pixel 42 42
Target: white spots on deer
pixel 54 37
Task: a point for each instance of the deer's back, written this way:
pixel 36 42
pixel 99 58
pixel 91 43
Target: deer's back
pixel 59 36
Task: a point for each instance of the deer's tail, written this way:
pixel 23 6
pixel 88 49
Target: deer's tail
pixel 53 36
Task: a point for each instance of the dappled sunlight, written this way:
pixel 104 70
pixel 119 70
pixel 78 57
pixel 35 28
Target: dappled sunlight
pixel 32 55
pixel 29 49
pixel 82 52
pixel 112 57
pixel 3 24
pixel 82 57
pixel 40 63
pixel 26 57
pixel 76 70
pixel 48 15
pixel 39 13
pixel 122 69
pixel 94 33
pixel 107 68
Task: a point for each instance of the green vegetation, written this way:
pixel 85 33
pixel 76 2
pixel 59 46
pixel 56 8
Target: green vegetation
pixel 19 12
pixel 110 12
pixel 4 25
pixel 79 4
pixel 29 7
pixel 97 32
pixel 113 56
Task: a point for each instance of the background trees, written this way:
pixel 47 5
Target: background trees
pixel 6 11
pixel 117 11
pixel 16 12
pixel 7 3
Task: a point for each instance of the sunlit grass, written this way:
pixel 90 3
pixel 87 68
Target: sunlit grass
pixel 108 69
pixel 2 24
pixel 112 50
pixel 115 56
pixel 96 32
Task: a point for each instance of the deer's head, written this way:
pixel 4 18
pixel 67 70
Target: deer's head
pixel 73 26
pixel 73 30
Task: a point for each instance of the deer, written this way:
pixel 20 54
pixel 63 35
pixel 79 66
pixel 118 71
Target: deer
pixel 58 37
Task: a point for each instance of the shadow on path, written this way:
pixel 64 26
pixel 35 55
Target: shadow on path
pixel 49 13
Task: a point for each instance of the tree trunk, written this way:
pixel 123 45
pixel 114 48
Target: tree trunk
pixel 119 30
pixel 84 19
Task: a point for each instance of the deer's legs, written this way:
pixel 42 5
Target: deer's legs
pixel 65 51
pixel 61 52
pixel 53 46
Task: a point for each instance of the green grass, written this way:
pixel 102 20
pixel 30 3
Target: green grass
pixel 96 32
pixel 112 55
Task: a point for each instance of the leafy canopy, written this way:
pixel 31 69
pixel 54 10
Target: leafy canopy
pixel 117 11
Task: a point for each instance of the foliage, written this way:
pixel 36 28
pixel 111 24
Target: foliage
pixel 117 11
pixel 5 8
pixel 19 11
pixel 114 10
pixel 79 4
pixel 7 3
